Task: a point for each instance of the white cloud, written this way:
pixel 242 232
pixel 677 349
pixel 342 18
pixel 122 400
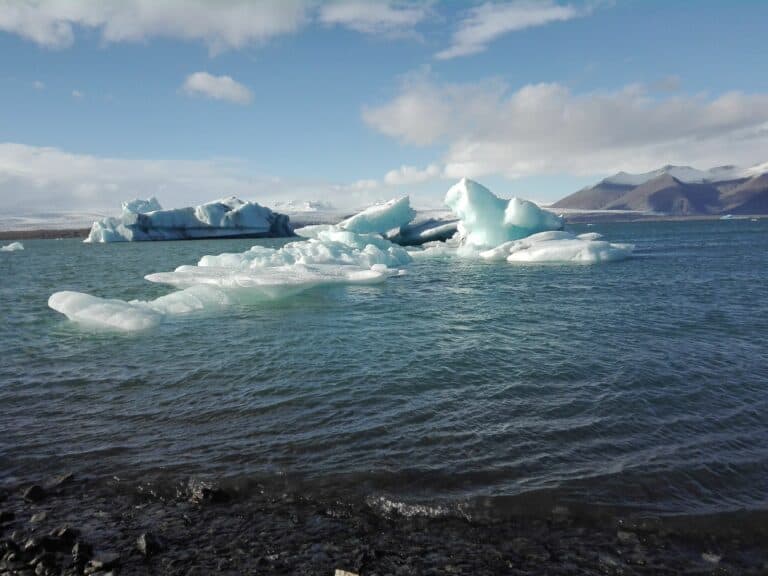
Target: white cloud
pixel 486 128
pixel 373 16
pixel 216 88
pixel 491 20
pixel 409 175
pixel 43 181
pixel 78 95
pixel 38 85
pixel 221 25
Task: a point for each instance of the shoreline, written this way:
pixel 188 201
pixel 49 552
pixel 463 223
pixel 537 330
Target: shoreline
pixel 201 528
pixel 570 218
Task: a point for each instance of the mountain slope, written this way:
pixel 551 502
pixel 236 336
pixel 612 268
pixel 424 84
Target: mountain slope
pixel 595 197
pixel 669 195
pixel 751 197
pixel 678 190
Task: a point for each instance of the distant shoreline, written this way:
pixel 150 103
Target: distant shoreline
pixel 44 234
pixel 585 218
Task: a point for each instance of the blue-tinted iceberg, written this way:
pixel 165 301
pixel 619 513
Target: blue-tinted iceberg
pixel 515 230
pixel 226 218
pixel 485 220
pixel 12 247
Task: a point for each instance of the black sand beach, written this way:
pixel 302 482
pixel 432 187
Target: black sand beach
pixel 74 526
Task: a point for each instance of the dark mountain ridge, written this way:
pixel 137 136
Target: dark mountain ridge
pixel 665 191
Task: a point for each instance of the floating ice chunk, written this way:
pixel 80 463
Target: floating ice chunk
pixel 381 218
pixel 101 312
pixel 429 230
pixel 547 247
pixel 12 247
pixel 589 236
pixel 229 217
pixel 486 220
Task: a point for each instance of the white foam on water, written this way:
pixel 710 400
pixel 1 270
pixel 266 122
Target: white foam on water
pixel 12 247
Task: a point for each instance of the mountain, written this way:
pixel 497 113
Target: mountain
pixel 668 195
pixel 751 197
pixel 678 190
pixel 594 197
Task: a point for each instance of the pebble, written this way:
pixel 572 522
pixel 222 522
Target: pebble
pixel 148 544
pixel 34 493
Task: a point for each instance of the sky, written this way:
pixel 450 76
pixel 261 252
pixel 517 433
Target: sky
pixel 351 102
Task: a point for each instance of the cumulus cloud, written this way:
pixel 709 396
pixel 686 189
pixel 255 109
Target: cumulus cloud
pixel 221 25
pixel 485 23
pixel 487 128
pixel 409 175
pixel 44 181
pixel 216 88
pixel 373 16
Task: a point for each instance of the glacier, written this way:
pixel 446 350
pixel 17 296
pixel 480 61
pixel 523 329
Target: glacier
pixel 12 247
pixel 358 250
pixel 143 220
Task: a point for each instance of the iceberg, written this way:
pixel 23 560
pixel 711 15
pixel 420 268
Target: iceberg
pixel 359 250
pixel 330 255
pixel 12 247
pixel 485 220
pixel 559 247
pixel 381 218
pixel 515 230
pixel 423 230
pixel 143 220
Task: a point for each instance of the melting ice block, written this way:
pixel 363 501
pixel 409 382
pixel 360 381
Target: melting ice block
pixel 485 220
pixel 12 247
pixel 381 218
pixel 229 217
pixel 559 247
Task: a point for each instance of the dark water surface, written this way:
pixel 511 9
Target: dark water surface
pixel 639 383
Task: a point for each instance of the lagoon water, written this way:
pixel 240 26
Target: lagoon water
pixel 640 383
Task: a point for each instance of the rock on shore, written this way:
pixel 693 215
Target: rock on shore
pixel 97 527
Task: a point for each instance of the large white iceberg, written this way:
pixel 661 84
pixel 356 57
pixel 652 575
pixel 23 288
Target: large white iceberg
pixel 332 255
pixel 12 247
pixel 229 217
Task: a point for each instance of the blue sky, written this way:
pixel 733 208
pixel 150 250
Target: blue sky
pixel 300 99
